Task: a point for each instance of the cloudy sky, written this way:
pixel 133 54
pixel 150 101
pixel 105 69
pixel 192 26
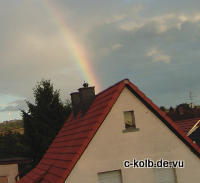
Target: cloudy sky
pixel 154 43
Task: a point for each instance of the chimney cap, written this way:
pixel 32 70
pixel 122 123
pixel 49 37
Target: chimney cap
pixel 85 85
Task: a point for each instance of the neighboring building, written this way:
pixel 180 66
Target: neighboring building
pixel 12 169
pixel 195 136
pixel 118 124
pixel 187 124
pixel 191 127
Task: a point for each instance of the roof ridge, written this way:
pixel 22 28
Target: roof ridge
pixel 123 80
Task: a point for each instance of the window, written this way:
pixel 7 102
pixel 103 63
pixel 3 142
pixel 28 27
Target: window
pixel 3 179
pixel 110 177
pixel 129 119
pixel 165 175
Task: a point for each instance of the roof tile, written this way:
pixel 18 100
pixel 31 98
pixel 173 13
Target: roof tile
pixel 186 125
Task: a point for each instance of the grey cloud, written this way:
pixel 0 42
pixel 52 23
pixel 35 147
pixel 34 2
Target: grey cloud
pixel 14 106
pixel 10 109
pixel 33 46
pixel 164 84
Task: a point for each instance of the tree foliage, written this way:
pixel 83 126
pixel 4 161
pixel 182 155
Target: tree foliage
pixel 163 108
pixel 11 145
pixel 182 111
pixel 43 119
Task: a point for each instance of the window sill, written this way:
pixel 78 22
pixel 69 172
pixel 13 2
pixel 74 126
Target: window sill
pixel 131 129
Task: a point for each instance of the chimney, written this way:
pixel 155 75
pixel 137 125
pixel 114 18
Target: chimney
pixel 87 95
pixel 75 97
pixel 83 99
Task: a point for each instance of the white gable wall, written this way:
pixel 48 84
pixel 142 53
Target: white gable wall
pixel 110 147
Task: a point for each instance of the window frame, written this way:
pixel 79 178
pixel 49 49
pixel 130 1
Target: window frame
pixel 130 128
pixel 118 170
pixel 173 170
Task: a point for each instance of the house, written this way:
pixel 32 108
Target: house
pixel 191 127
pixel 12 169
pixel 187 124
pixel 195 136
pixel 107 134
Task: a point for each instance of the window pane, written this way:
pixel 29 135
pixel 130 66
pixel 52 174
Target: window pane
pixel 129 119
pixel 110 177
pixel 164 175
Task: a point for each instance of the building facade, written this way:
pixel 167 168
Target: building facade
pixel 119 125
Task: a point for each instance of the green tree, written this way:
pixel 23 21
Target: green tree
pixel 186 107
pixel 43 119
pixel 163 108
pixel 11 145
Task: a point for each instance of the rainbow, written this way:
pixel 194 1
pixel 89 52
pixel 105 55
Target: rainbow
pixel 78 52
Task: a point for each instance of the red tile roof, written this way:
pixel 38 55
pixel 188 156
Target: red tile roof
pixel 186 125
pixel 77 133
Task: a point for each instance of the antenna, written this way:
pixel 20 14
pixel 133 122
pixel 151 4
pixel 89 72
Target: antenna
pixel 191 98
pixel 85 85
pixel 9 115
